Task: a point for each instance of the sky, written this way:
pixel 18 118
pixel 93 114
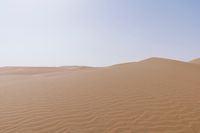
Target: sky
pixel 97 32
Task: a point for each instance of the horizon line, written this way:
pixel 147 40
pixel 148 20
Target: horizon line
pixel 59 66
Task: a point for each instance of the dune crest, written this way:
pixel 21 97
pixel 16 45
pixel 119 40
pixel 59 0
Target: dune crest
pixel 154 95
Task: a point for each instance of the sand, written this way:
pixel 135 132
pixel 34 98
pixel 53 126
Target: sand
pixel 151 96
pixel 196 61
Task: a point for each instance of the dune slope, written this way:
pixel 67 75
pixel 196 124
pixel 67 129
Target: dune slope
pixel 196 61
pixel 152 96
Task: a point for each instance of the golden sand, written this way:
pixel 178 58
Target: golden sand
pixel 151 96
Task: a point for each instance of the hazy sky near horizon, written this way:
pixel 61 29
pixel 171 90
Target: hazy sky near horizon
pixel 97 32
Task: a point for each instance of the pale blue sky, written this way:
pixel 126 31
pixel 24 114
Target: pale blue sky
pixel 97 32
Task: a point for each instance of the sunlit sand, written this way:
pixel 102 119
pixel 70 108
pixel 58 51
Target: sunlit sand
pixel 151 96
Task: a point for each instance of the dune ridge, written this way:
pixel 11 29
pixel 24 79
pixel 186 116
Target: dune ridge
pixel 154 95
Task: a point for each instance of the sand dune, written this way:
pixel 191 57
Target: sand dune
pixel 196 61
pixel 151 96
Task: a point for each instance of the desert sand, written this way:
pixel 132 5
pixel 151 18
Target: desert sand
pixel 196 61
pixel 155 95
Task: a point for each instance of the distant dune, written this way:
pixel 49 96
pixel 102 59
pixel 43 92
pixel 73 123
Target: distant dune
pixel 155 95
pixel 197 61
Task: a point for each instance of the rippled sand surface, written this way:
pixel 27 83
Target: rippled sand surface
pixel 151 96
